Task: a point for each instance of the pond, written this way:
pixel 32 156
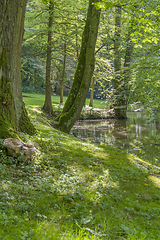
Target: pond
pixel 133 135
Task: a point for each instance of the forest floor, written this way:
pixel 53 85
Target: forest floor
pixel 76 190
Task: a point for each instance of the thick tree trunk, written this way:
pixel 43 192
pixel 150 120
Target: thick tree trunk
pixel 83 75
pixel 63 74
pixel 48 101
pixel 92 92
pixel 13 115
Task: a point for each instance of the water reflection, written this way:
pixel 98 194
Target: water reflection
pixel 134 135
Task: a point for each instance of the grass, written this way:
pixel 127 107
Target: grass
pixel 38 99
pixel 75 190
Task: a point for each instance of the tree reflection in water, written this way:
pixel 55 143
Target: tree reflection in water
pixel 133 135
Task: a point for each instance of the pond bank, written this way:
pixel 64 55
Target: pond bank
pixel 134 135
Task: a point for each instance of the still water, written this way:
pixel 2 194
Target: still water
pixel 133 135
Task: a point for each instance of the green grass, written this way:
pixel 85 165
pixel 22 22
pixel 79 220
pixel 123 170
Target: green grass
pixel 38 99
pixel 75 190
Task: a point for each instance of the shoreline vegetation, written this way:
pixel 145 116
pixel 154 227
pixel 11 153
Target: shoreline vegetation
pixel 75 190
pixel 100 110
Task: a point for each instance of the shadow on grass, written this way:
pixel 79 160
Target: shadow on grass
pixel 104 193
pixel 77 190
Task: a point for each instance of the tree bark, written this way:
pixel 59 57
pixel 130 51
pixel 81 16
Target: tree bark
pixel 84 71
pixel 48 101
pixel 81 64
pixel 119 102
pixel 92 92
pixel 122 75
pixel 13 115
pixel 128 60
pixel 63 74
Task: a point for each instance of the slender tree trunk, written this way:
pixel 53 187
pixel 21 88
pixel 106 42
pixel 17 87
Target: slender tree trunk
pixel 127 72
pixel 127 62
pixel 77 48
pixel 119 102
pixel 92 92
pixel 122 76
pixel 48 102
pixel 63 74
pixel 81 64
pixel 13 115
pixel 83 75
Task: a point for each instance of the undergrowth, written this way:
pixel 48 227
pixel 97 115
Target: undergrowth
pixel 76 190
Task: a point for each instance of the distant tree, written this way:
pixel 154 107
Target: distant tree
pixel 48 102
pixel 122 72
pixel 68 22
pixel 13 115
pixel 63 75
pixel 140 31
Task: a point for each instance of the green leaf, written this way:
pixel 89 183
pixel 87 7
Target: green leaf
pixel 108 5
pixel 97 5
pixel 45 1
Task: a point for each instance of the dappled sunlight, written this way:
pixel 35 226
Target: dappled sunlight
pixel 103 180
pixel 155 179
pixel 79 190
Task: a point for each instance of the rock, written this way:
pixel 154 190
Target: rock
pixel 14 145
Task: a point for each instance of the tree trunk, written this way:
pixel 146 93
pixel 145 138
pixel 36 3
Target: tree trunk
pixel 13 115
pixel 77 48
pixel 63 74
pixel 84 71
pixel 92 92
pixel 119 102
pixel 127 62
pixel 48 101
pixel 122 76
pixel 81 64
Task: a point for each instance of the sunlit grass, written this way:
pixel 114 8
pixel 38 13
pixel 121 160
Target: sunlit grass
pixel 76 190
pixel 38 99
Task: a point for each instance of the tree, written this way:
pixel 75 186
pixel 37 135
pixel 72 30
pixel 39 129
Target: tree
pixel 13 115
pixel 63 74
pixel 84 71
pixel 142 28
pixel 48 102
pixel 68 23
pixel 92 91
pixel 122 73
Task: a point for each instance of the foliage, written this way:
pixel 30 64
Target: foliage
pixel 145 81
pixel 32 71
pixel 67 28
pixel 68 24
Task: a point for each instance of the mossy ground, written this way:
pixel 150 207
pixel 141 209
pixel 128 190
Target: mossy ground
pixel 76 190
